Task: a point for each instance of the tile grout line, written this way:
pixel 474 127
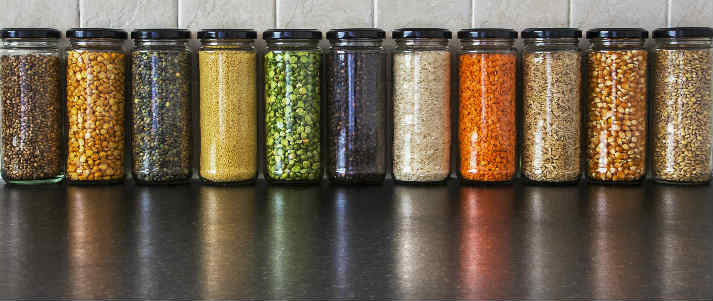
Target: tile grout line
pixel 472 13
pixel 669 3
pixel 374 18
pixel 178 13
pixel 276 11
pixel 570 13
pixel 79 12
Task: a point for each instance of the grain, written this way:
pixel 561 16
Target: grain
pixel 161 115
pixel 355 116
pixel 551 116
pixel 422 116
pixel 95 111
pixel 228 115
pixel 486 116
pixel 31 117
pixel 683 115
pixel 616 115
pixel 292 116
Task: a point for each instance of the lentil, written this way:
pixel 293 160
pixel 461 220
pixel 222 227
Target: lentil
pixel 683 115
pixel 616 125
pixel 31 117
pixel 355 110
pixel 551 111
pixel 228 115
pixel 95 111
pixel 486 116
pixel 292 121
pixel 422 121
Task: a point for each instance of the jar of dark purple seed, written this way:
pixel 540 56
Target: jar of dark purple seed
pixel 356 105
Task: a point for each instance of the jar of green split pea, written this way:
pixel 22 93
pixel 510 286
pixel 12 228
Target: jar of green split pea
pixel 292 106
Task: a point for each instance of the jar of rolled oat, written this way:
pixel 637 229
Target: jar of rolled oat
pixel 96 87
pixel 487 134
pixel 682 117
pixel 551 129
pixel 421 102
pixel 616 105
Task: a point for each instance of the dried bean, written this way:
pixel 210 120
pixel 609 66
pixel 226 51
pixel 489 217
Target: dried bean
pixel 552 128
pixel 683 115
pixel 95 111
pixel 161 137
pixel 31 117
pixel 616 124
pixel 355 109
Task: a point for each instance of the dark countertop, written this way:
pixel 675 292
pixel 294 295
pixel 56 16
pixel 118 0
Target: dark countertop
pixel 389 241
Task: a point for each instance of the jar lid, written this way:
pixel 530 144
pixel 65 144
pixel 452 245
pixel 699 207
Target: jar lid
pixel 617 33
pixel 226 34
pixel 29 33
pixel 96 33
pixel 487 33
pixel 292 34
pixel 683 32
pixel 355 33
pixel 551 33
pixel 421 33
pixel 160 34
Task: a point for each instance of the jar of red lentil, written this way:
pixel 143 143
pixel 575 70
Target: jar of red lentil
pixel 96 96
pixel 487 134
pixel 682 117
pixel 551 110
pixel 616 105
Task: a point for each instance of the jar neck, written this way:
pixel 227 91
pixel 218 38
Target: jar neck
pixel 296 44
pixel 228 43
pixel 161 43
pixel 617 43
pixel 486 43
pixel 366 43
pixel 558 42
pixel 29 43
pixel 113 44
pixel 422 43
pixel 684 43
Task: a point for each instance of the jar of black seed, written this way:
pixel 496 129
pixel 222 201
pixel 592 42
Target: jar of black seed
pixel 292 106
pixel 30 92
pixel 161 106
pixel 356 102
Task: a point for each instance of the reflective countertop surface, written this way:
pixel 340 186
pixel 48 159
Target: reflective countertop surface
pixel 389 241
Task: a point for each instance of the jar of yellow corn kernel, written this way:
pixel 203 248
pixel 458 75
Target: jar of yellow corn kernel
pixel 96 85
pixel 616 105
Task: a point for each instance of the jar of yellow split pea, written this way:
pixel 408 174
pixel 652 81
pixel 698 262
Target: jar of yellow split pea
pixel 96 85
pixel 228 105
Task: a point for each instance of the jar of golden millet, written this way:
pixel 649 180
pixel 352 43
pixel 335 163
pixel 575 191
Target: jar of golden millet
pixel 682 117
pixel 227 66
pixel 615 141
pixel 96 85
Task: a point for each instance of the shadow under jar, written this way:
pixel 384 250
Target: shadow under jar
pixel 421 70
pixel 356 101
pixel 161 65
pixel 487 133
pixel 682 117
pixel 228 106
pixel 551 132
pixel 30 91
pixel 292 106
pixel 616 105
pixel 96 85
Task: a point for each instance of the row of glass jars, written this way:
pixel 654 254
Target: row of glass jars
pixel 615 113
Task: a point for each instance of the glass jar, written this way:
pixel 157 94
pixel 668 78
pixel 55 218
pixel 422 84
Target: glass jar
pixel 292 106
pixel 356 102
pixel 487 134
pixel 96 85
pixel 31 96
pixel 616 105
pixel 421 70
pixel 552 79
pixel 228 105
pixel 682 125
pixel 161 66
